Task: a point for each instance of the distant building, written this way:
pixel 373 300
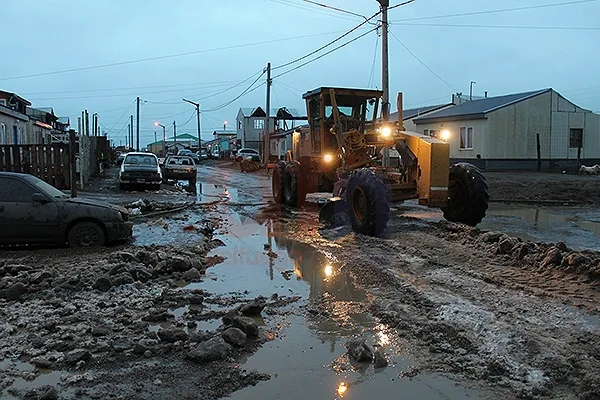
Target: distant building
pixel 184 141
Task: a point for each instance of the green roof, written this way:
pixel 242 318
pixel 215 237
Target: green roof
pixel 183 136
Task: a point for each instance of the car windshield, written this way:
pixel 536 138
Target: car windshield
pixel 140 159
pixel 180 161
pixel 49 189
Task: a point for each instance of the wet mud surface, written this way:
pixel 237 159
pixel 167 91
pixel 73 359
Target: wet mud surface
pixel 223 293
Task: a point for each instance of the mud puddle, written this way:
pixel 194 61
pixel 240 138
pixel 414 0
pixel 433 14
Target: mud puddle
pixel 207 193
pixel 19 376
pixel 579 228
pixel 307 357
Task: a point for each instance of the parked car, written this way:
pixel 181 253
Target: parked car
pixel 203 153
pixel 140 169
pixel 252 154
pixel 215 153
pixel 33 211
pixel 180 168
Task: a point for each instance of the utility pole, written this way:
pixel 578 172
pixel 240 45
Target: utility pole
pixel 137 126
pixel 175 136
pixel 198 118
pixel 128 141
pixel 131 139
pixel 385 85
pixel 267 136
pixel 154 136
pixel 471 90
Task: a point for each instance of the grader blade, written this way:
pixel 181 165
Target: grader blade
pixel 334 206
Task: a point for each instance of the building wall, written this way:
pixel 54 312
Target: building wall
pixel 245 131
pixel 7 124
pixel 510 134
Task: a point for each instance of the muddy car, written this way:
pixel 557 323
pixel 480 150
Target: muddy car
pixel 140 169
pixel 180 168
pixel 33 211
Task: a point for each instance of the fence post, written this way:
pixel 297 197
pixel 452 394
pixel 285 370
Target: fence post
pixel 72 164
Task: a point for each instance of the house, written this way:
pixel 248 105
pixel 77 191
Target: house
pixel 511 132
pixel 410 114
pixel 13 118
pixel 184 141
pixel 226 140
pixel 41 125
pixel 251 122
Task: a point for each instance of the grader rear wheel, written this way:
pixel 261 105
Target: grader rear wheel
pixel 368 202
pixel 467 195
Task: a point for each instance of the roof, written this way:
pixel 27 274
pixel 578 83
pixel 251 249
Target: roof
pixel 361 92
pixel 415 112
pixel 16 96
pixel 183 137
pixel 64 120
pixel 477 109
pixel 48 110
pixel 281 113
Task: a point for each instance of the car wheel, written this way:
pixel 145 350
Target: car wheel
pixel 86 234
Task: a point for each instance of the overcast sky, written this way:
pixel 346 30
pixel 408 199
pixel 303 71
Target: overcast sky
pixel 227 38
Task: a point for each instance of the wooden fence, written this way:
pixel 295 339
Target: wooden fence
pixel 49 162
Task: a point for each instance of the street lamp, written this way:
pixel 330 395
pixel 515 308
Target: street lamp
pixel 164 147
pixel 197 105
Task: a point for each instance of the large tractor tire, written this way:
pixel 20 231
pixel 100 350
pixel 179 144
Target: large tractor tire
pixel 368 202
pixel 294 191
pixel 467 195
pixel 277 182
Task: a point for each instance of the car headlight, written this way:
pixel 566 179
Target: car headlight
pixel 328 157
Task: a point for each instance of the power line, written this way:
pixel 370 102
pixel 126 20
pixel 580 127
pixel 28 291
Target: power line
pixel 249 89
pixel 311 9
pixel 326 45
pixel 121 117
pixel 372 74
pixel 162 57
pixel 582 28
pixel 324 54
pixel 335 9
pixel 495 11
pixel 401 4
pixel 422 63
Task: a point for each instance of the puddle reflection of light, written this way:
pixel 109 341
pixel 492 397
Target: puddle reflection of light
pixel 342 388
pixel 328 270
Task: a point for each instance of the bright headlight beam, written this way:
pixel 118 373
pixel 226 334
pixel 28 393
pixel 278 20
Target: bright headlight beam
pixel 328 158
pixel 445 134
pixel 386 131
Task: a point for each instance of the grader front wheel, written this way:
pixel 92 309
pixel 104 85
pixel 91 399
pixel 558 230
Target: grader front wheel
pixel 467 195
pixel 277 182
pixel 368 203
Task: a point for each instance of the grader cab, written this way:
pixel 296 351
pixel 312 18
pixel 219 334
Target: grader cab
pixel 347 151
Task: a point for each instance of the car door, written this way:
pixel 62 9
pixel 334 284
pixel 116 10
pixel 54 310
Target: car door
pixel 21 219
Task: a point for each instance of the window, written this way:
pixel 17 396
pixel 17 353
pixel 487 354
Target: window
pixel 239 125
pixel 3 134
pixel 15 191
pixel 3 102
pixel 259 124
pixel 576 138
pixel 466 138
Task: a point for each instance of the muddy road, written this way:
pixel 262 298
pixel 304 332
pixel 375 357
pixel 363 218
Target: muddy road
pixel 228 294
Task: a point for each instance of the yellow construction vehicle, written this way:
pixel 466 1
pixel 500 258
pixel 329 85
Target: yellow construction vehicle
pixel 343 151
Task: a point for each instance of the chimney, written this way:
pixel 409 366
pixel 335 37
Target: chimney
pixel 485 94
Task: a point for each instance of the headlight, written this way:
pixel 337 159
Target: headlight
pixel 445 135
pixel 386 131
pixel 328 158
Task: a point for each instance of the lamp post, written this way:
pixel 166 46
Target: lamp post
pixel 164 149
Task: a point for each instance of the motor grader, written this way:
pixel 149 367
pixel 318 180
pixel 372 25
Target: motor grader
pixel 343 151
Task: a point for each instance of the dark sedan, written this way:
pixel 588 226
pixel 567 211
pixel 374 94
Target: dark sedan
pixel 32 211
pixel 180 168
pixel 140 169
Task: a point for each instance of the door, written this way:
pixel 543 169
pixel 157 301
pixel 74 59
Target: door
pixel 21 219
